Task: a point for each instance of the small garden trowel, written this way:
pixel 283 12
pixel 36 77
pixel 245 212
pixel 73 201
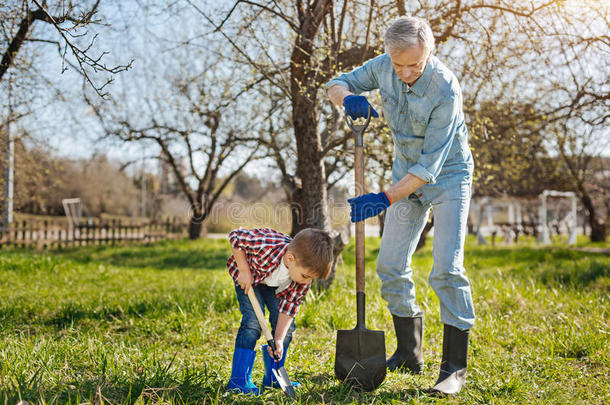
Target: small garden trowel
pixel 280 374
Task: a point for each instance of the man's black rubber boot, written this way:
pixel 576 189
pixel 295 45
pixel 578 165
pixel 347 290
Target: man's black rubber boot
pixel 408 357
pixel 453 366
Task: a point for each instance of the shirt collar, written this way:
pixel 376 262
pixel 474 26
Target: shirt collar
pixel 422 83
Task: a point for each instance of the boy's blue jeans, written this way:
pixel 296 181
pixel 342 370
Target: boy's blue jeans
pixel 403 225
pixel 249 330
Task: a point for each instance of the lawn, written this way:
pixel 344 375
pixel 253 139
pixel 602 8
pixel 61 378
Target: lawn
pixel 156 324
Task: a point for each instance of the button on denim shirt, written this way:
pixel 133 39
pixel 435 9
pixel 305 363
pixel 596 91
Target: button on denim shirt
pixel 427 125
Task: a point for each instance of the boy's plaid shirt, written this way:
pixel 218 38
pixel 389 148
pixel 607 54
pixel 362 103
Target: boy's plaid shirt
pixel 264 248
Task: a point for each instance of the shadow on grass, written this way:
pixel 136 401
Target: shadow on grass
pixel 169 255
pixel 595 275
pixel 520 255
pixel 562 267
pixel 71 313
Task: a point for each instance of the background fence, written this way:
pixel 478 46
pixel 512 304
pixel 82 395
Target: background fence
pixel 48 234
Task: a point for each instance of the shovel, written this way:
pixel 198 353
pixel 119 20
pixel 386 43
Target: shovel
pixel 360 352
pixel 281 374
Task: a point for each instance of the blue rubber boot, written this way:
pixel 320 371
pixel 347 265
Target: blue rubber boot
pixel 241 372
pixel 269 379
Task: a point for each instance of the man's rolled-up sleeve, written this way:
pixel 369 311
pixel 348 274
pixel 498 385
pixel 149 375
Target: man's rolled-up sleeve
pixel 358 80
pixel 438 139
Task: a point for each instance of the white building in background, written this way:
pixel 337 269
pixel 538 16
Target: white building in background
pixel 554 213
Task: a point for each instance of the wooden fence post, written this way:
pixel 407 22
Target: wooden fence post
pixel 24 231
pixel 59 233
pixel 30 227
pixel 45 234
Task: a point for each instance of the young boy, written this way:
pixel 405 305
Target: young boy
pixel 280 270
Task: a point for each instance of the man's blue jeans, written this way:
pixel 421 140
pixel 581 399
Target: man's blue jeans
pixel 249 330
pixel 403 226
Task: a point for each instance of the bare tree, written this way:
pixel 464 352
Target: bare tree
pixel 309 42
pixel 577 151
pixel 180 106
pixel 528 69
pixel 199 142
pixel 70 23
pixel 278 143
pixel 541 91
pixel 317 39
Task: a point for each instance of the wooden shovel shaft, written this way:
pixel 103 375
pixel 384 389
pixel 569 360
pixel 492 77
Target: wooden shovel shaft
pixel 280 374
pixel 259 315
pixel 359 177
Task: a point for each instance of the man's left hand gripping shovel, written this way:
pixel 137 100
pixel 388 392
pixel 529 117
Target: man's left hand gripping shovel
pixel 281 374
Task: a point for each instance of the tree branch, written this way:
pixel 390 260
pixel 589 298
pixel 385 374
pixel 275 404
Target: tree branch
pixel 81 55
pixel 270 10
pixel 528 14
pixel 238 49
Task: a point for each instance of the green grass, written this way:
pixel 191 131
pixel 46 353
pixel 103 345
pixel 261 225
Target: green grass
pixel 156 324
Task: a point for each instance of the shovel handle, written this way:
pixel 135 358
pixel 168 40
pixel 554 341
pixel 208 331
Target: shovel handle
pixel 261 319
pixel 359 177
pixel 259 314
pixel 360 248
pixel 359 187
pixel 359 183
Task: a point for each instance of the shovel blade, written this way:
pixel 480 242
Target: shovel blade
pixel 360 358
pixel 284 380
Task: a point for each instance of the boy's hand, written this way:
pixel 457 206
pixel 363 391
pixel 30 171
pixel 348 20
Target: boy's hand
pixel 279 345
pixel 281 329
pixel 245 279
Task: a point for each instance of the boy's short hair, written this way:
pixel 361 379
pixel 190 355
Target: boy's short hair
pixel 313 249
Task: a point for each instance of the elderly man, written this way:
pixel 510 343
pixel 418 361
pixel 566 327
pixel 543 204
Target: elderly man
pixel 422 104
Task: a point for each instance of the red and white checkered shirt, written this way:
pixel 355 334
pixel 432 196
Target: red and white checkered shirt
pixel 264 248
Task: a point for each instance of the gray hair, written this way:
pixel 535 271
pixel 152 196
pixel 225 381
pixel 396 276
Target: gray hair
pixel 407 32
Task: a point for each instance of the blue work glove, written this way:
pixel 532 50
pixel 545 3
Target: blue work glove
pixel 368 205
pixel 358 107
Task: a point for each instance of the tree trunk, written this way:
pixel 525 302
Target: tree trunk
pixel 340 239
pixel 304 86
pixel 381 219
pixel 294 194
pixel 312 205
pixel 598 228
pixel 296 212
pixel 195 227
pixel 197 224
pixel 310 164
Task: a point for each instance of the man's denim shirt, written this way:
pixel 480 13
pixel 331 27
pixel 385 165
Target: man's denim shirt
pixel 427 124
